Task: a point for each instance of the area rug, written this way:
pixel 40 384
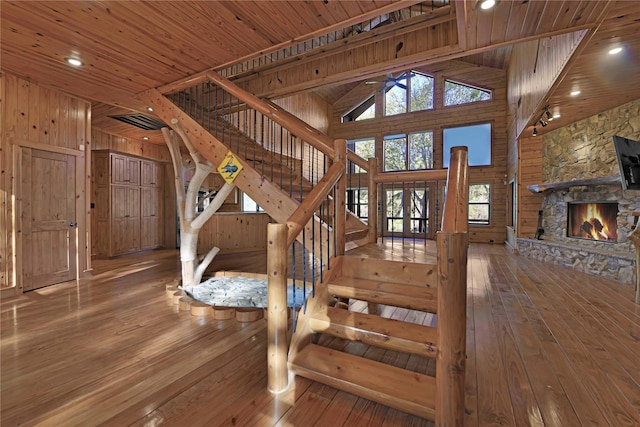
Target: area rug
pixel 241 291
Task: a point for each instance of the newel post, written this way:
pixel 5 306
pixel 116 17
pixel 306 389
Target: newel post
pixel 277 375
pixel 452 314
pixel 340 197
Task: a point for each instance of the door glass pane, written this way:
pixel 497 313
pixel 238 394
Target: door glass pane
pixel 419 211
pixel 394 210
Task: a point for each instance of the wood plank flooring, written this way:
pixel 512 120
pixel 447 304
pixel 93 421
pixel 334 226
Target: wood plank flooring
pixel 547 346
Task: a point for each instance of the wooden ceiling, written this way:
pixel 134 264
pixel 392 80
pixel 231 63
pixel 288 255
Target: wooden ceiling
pixel 130 46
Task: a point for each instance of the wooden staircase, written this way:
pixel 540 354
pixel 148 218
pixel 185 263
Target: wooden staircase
pixel 377 281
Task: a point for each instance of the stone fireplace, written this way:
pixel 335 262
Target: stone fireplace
pixel 581 159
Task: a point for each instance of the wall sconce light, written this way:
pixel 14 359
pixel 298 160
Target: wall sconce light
pixel 535 131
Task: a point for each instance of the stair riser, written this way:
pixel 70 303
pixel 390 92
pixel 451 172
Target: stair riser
pixel 424 275
pixel 426 303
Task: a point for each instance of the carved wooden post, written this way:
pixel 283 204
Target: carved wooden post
pixel 340 148
pixel 277 375
pixel 634 236
pixel 373 201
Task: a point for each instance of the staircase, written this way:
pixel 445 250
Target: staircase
pixel 312 205
pixel 398 284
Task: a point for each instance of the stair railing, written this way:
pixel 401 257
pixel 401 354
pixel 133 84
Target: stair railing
pixel 360 174
pixel 325 206
pixel 277 144
pixel 452 245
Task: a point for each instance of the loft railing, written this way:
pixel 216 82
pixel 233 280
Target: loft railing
pixel 321 41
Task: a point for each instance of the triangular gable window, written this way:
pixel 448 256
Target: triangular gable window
pixel 458 93
pixel 366 110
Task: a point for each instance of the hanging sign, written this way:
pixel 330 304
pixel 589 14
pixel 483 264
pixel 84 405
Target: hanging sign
pixel 230 167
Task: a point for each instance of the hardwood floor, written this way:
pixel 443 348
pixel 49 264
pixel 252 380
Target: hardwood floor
pixel 546 346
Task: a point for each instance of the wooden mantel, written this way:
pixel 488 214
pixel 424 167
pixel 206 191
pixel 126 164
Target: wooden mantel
pixel 552 186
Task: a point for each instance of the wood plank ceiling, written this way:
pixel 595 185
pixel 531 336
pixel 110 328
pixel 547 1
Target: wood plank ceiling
pixel 131 46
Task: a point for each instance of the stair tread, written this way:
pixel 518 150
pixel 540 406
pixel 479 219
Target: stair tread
pixel 408 296
pixel 378 331
pixel 409 273
pixel 392 386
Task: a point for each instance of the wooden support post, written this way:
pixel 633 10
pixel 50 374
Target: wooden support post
pixel 373 201
pixel 340 148
pixel 452 309
pixel 634 236
pixel 277 375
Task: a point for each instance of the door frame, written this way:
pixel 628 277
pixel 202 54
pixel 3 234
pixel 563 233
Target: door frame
pixel 82 211
pixel 406 188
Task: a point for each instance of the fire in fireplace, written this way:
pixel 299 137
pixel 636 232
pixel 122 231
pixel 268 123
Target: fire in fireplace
pixel 595 221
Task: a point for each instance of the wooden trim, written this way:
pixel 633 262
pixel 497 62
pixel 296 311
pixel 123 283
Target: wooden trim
pixel 410 176
pixel 16 219
pixel 46 147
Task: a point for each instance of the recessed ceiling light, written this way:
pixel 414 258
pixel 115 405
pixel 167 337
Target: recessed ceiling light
pixel 615 50
pixel 149 108
pixel 75 62
pixel 575 93
pixel 146 138
pixel 487 4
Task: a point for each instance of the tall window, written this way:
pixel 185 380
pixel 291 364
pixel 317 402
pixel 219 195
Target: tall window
pixel 412 92
pixel 365 148
pixel 479 203
pixel 458 93
pixel 408 152
pixel 248 205
pixel 476 137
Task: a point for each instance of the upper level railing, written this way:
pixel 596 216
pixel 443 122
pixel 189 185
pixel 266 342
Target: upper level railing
pixel 339 34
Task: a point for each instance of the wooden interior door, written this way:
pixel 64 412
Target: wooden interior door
pixel 48 193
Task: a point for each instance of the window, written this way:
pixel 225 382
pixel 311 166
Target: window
pixel 458 93
pixel 365 148
pixel 408 152
pixel 366 110
pixel 414 93
pixel 476 137
pixel 248 205
pixel 358 202
pixel 479 203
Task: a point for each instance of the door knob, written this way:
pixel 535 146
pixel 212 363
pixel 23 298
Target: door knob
pixel 73 224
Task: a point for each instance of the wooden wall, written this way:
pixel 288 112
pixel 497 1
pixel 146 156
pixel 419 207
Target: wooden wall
pixel 37 117
pixel 101 140
pixel 235 232
pixel 529 172
pixel 493 111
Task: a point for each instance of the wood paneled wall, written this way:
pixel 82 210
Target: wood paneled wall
pixel 493 111
pixel 529 172
pixel 235 232
pixel 101 140
pixel 37 117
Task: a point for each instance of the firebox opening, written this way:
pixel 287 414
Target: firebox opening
pixel 593 220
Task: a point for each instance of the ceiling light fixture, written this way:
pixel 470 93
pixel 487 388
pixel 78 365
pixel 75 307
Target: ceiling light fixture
pixel 615 50
pixel 149 108
pixel 75 62
pixel 146 138
pixel 548 114
pixel 487 4
pixel 535 131
pixel 575 93
pixel 542 123
pixel 556 115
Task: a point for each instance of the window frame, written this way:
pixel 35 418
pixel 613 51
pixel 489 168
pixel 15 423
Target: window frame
pixel 407 147
pixel 408 76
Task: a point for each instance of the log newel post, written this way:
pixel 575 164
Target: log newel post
pixel 373 201
pixel 451 347
pixel 340 148
pixel 277 375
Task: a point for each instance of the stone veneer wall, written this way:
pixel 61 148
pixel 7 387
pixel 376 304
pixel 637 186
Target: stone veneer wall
pixel 578 151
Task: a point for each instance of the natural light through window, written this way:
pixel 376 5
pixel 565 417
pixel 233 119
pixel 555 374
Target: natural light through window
pixel 458 93
pixel 476 137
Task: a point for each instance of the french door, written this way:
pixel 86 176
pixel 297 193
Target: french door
pixel 409 210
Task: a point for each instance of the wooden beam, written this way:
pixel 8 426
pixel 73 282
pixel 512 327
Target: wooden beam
pixel 552 186
pixel 410 176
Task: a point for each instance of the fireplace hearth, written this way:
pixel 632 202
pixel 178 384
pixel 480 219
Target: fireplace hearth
pixel 592 220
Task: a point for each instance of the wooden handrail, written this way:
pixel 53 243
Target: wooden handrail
pixel 410 176
pixel 455 213
pixel 278 114
pixel 311 203
pixel 353 157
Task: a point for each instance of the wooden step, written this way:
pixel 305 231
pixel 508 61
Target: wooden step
pixel 351 235
pixel 408 296
pixel 377 331
pixel 408 273
pixel 395 387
